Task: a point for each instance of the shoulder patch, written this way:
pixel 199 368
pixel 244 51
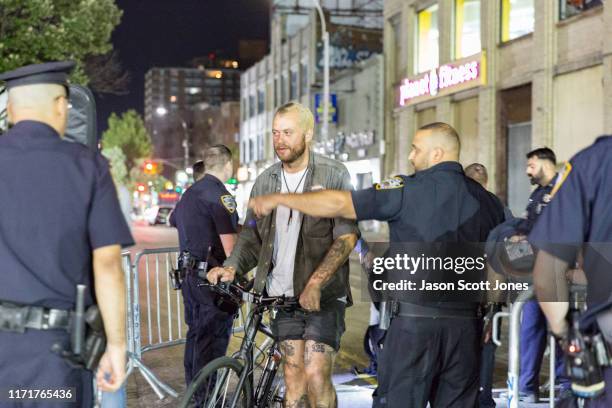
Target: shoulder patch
pixel 567 169
pixel 229 203
pixel 391 183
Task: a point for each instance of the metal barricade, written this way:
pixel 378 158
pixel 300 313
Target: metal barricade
pixel 516 310
pixel 148 281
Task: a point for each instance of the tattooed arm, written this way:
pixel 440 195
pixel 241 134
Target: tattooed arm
pixel 338 253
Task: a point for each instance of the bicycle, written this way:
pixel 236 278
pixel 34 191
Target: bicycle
pixel 229 382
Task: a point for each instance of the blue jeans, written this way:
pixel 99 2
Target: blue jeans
pixel 117 399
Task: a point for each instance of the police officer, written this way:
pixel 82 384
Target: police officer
pixel 439 344
pixel 61 226
pixel 541 170
pixel 207 225
pixel 579 217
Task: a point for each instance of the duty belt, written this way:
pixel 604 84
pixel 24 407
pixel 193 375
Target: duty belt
pixel 17 318
pixel 404 309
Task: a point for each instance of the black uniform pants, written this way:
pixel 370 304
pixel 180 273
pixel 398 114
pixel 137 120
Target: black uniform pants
pixel 429 360
pixel 27 362
pixel 209 328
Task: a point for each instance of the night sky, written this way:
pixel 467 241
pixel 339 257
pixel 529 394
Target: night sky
pixel 163 33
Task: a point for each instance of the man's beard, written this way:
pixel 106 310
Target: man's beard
pixel 536 178
pixel 294 154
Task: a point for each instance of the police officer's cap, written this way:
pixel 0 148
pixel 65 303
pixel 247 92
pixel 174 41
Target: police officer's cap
pixel 47 73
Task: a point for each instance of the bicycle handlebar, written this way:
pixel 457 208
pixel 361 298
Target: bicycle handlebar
pixel 240 294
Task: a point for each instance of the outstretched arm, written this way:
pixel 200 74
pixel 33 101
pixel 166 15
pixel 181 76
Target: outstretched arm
pixel 322 204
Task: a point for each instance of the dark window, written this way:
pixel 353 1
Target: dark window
pixel 260 101
pixel 293 85
pixel 251 106
pixel 304 79
pixel 251 155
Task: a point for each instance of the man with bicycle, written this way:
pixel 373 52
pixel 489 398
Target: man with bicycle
pixel 299 255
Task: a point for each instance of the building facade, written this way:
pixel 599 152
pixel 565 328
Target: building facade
pixel 177 98
pixel 293 71
pixel 509 75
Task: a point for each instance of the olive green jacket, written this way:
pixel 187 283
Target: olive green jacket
pixel 255 244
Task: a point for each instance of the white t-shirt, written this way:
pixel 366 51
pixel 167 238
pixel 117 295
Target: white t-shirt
pixel 280 280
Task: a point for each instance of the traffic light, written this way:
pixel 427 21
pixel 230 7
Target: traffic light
pixel 141 188
pixel 150 167
pixel 232 181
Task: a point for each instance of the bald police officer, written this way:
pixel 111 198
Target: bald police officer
pixel 440 343
pixel 61 226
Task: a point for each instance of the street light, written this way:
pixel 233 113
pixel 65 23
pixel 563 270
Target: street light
pixel 325 38
pixel 162 111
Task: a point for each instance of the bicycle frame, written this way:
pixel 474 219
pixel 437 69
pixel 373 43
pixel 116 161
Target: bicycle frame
pixel 253 325
pixel 246 354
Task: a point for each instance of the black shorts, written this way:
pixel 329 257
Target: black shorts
pixel 325 326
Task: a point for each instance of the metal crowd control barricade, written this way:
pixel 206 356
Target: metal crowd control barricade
pixel 148 278
pixel 516 310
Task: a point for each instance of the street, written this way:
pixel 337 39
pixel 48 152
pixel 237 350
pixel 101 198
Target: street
pixel 167 363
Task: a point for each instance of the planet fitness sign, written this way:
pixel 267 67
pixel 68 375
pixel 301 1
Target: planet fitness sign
pixel 444 80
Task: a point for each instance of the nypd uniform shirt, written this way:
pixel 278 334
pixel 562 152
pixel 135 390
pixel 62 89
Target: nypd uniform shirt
pixel 205 211
pixel 439 204
pixel 57 203
pixel 580 216
pixel 538 200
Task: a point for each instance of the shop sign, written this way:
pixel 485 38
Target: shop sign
pixel 333 108
pixel 443 80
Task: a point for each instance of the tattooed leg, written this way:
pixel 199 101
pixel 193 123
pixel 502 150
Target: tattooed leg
pixel 293 369
pixel 320 388
pixel 302 402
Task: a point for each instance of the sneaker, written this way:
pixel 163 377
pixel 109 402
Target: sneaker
pixel 528 397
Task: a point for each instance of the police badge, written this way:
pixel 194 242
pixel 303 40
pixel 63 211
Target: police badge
pixel 388 184
pixel 229 203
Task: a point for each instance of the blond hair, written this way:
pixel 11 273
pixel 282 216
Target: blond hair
pixel 306 119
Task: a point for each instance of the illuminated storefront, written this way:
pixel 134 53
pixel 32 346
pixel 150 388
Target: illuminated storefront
pixel 504 82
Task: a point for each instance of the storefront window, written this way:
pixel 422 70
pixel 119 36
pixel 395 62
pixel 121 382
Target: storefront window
pixel 427 34
pixel 569 8
pixel 517 18
pixel 467 23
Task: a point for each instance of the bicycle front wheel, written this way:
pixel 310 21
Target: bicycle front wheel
pixel 217 385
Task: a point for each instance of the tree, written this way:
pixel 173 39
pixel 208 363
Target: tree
pixel 129 134
pixel 34 31
pixel 116 159
pixel 106 74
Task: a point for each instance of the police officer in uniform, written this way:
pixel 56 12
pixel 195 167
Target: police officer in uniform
pixel 61 226
pixel 541 170
pixel 207 224
pixel 579 218
pixel 440 344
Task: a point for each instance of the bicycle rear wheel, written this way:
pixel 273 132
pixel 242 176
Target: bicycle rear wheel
pixel 216 385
